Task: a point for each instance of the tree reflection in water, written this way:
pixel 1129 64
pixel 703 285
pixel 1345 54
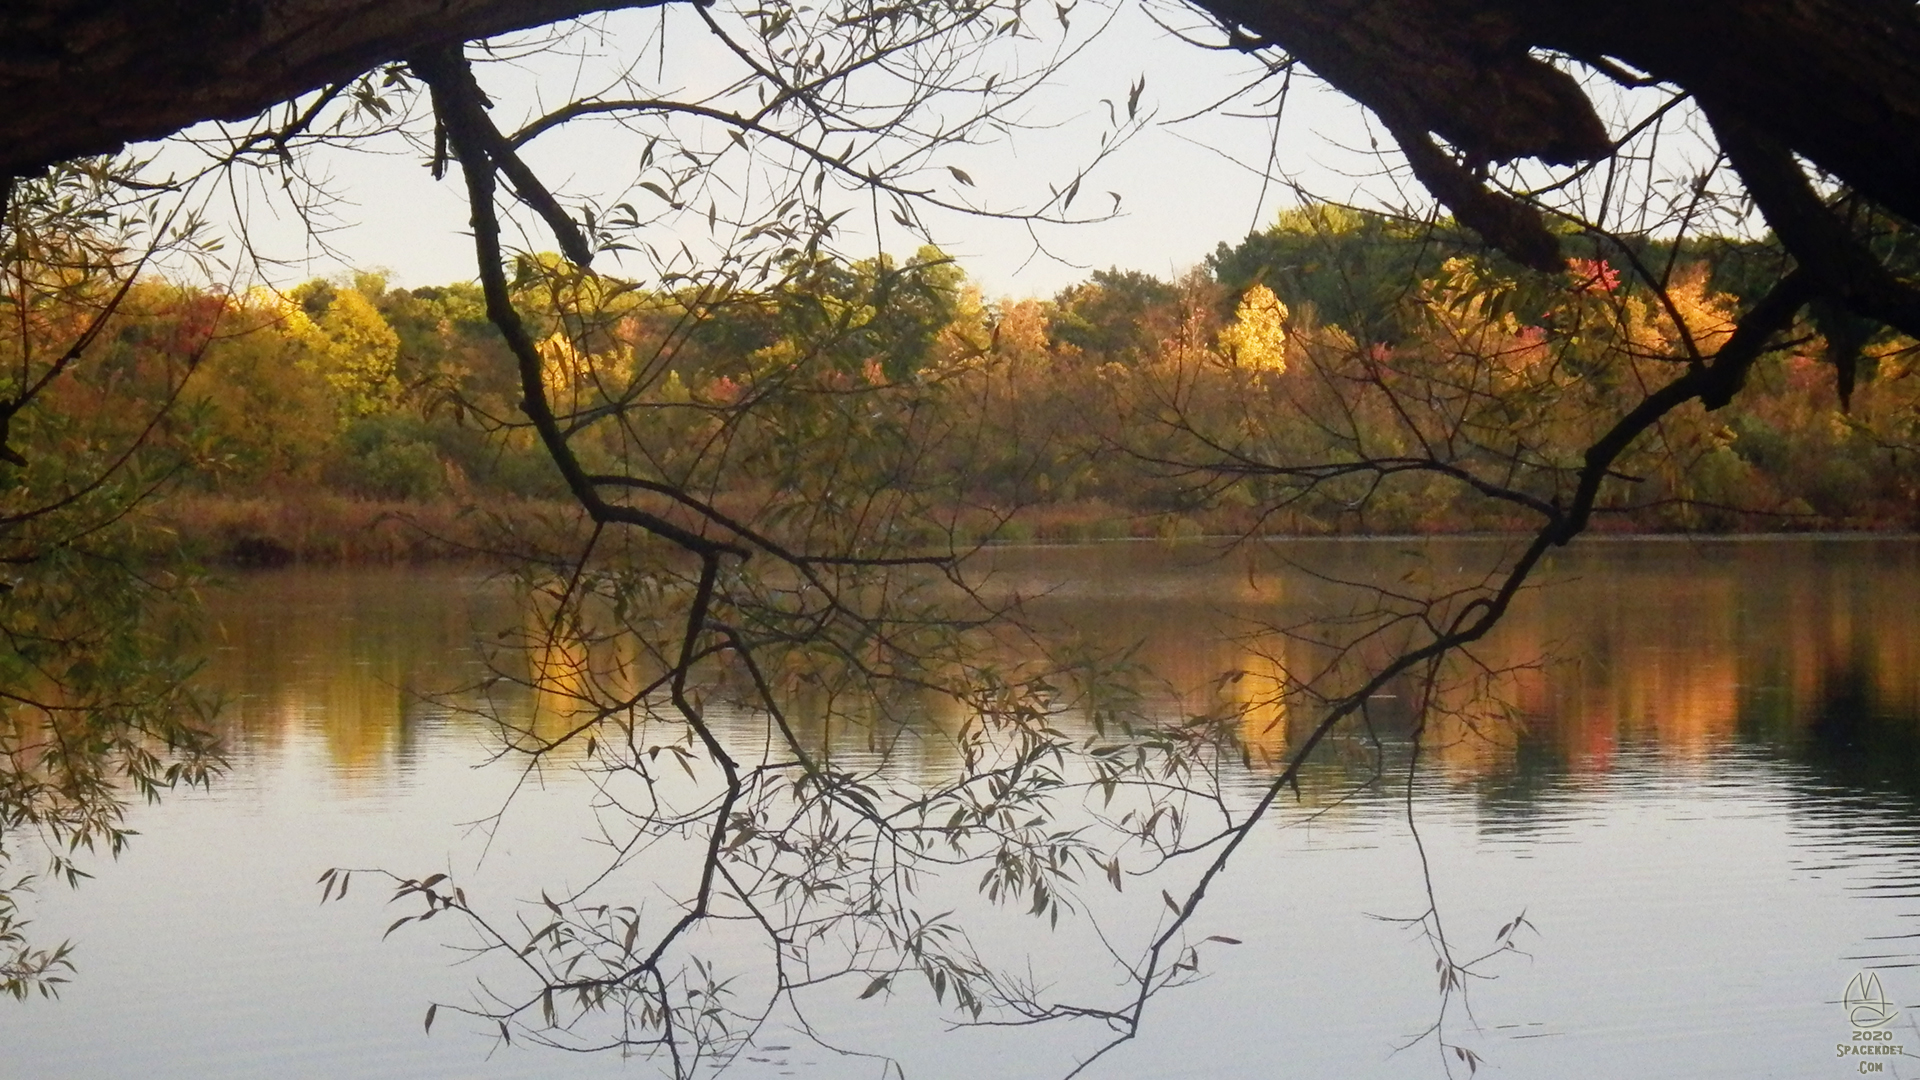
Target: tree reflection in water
pixel 1675 650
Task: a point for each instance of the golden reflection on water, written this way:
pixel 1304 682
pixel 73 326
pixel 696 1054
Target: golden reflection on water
pixel 1681 646
pixel 349 658
pixel 569 679
pixel 1258 688
pixel 1690 647
pixel 1684 647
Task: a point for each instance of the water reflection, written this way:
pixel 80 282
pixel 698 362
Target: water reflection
pixel 1699 773
pixel 356 660
pixel 1809 649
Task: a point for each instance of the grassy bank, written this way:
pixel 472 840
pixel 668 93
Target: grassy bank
pixel 322 528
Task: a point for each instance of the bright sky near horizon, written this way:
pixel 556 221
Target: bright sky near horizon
pixel 1185 185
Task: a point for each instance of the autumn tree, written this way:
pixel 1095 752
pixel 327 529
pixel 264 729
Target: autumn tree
pixel 1492 105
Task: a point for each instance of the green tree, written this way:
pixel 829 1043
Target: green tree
pixel 1118 314
pixel 1350 268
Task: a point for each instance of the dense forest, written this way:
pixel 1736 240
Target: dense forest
pixel 347 419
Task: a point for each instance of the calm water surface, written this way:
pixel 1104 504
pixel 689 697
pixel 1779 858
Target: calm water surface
pixel 1709 811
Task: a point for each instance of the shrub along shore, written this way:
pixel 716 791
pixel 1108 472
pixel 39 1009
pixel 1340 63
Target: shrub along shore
pixel 333 530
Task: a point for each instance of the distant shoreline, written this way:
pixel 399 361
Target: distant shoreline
pixel 324 529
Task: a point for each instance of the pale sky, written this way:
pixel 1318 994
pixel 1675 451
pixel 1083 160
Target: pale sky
pixel 1184 186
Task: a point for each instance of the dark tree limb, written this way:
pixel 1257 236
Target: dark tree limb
pixel 80 77
pixel 1460 70
pixel 1837 81
pixel 1834 81
pixel 1501 220
pixel 458 103
pixel 447 70
pixel 1816 236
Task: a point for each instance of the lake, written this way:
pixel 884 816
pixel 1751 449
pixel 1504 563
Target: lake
pixel 1704 798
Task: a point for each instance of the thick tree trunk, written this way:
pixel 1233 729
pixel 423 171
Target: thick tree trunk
pixel 84 77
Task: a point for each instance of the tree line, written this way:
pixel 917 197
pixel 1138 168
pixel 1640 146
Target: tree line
pixel 1125 405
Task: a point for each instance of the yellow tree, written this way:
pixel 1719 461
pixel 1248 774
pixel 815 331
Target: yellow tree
pixel 1256 340
pixel 357 353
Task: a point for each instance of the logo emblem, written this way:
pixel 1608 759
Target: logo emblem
pixel 1867 1005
